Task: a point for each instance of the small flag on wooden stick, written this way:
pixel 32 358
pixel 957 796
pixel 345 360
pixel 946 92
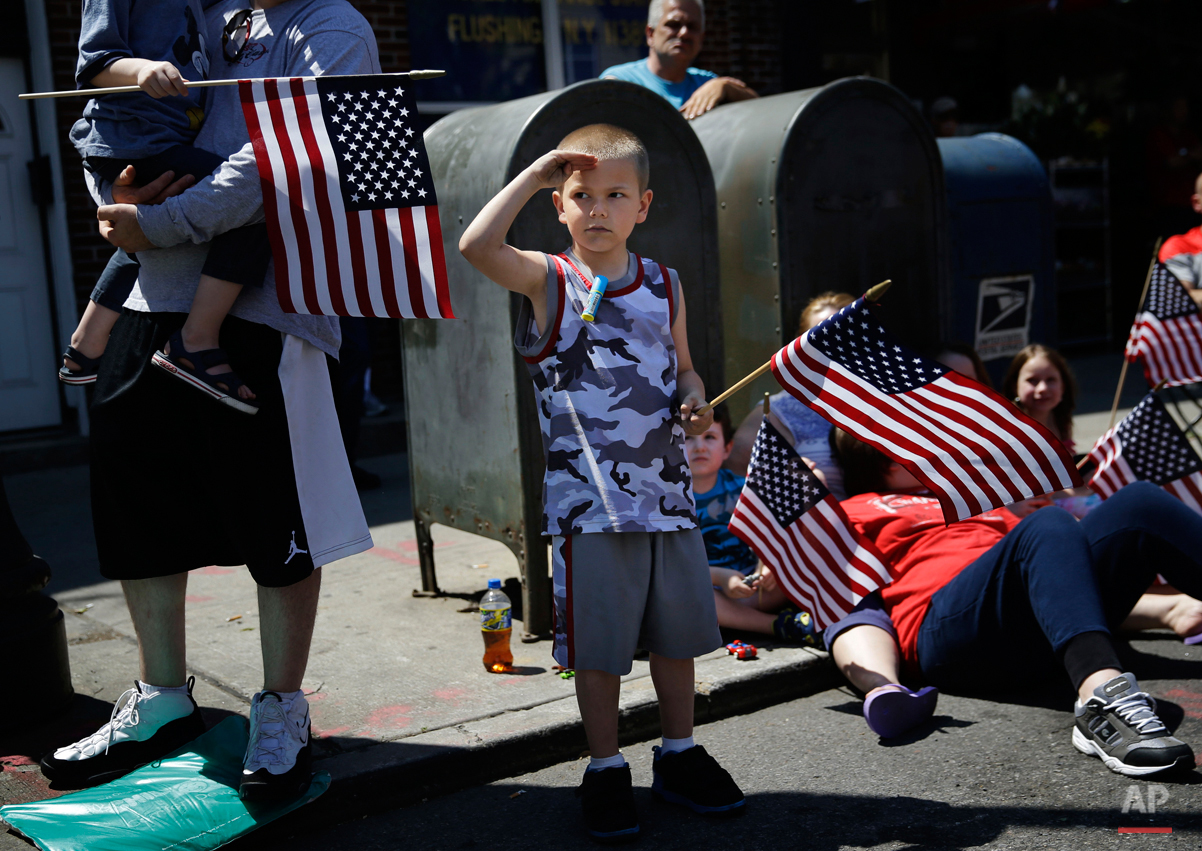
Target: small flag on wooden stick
pixel 970 446
pixel 350 204
pixel 1148 446
pixel 798 529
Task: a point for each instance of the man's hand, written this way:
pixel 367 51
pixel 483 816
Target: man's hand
pixel 155 192
pixel 119 225
pixel 694 424
pixel 552 169
pixel 718 91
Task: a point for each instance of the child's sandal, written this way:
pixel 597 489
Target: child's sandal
pixel 197 376
pixel 88 368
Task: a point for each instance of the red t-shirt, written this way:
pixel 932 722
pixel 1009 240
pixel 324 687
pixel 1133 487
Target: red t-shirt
pixel 910 532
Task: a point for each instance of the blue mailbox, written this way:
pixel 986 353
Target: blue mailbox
pixel 1000 246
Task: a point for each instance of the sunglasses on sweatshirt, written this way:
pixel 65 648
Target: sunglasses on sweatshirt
pixel 236 36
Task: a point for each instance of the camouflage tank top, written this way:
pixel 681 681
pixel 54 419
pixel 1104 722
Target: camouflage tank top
pixel 607 403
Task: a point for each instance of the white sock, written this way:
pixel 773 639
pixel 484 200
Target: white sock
pixel 148 689
pixel 668 746
pixel 288 695
pixel 615 761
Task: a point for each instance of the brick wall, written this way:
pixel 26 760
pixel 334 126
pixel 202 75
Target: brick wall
pixel 743 39
pixel 89 252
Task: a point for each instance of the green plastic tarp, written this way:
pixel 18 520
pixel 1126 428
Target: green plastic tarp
pixel 188 801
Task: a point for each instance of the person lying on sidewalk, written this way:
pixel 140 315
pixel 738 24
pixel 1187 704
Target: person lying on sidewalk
pixel 991 602
pixel 746 599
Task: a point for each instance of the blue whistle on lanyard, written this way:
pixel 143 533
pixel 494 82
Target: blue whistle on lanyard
pixel 594 298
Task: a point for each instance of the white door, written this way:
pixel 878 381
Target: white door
pixel 28 386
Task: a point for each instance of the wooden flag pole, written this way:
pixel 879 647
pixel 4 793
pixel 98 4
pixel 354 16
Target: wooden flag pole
pixel 872 296
pixel 1118 392
pixel 200 84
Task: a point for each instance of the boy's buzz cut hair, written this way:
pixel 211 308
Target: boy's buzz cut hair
pixel 607 142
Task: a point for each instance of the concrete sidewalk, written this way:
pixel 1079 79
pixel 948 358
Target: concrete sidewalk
pixel 402 706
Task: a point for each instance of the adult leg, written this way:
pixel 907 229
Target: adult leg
pixel 287 618
pixel 1028 603
pixel 1137 533
pixel 1034 597
pixel 156 607
pixel 864 646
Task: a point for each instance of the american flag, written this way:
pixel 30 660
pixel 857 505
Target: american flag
pixel 1148 446
pixel 971 447
pixel 347 192
pixel 798 529
pixel 1167 333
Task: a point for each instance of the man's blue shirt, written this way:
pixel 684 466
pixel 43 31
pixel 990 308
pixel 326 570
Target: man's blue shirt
pixel 676 93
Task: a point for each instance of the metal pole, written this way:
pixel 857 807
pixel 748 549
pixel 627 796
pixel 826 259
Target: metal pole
pixel 553 45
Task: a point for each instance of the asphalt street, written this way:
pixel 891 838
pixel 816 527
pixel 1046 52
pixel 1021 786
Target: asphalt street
pixel 983 774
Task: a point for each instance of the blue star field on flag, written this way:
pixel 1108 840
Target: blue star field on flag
pixel 1167 296
pixel 780 478
pixel 1153 445
pixel 372 125
pixel 853 338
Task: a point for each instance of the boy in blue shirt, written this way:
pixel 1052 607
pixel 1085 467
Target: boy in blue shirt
pixel 159 46
pixel 615 397
pixel 744 599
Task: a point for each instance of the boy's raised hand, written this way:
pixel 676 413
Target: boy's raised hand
pixel 554 168
pixel 693 423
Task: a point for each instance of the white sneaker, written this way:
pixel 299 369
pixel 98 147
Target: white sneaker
pixel 145 725
pixel 278 756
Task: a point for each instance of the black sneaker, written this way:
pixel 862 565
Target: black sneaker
pixel 279 754
pixel 792 624
pixel 607 798
pixel 144 727
pixel 694 778
pixel 1119 726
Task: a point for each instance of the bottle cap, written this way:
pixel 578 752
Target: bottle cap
pixel 494 583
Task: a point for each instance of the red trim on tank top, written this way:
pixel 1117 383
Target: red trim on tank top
pixel 554 337
pixel 663 270
pixel 626 290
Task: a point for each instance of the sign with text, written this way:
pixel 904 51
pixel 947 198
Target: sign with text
pixel 492 49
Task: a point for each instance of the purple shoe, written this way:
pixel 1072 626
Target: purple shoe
pixel 898 710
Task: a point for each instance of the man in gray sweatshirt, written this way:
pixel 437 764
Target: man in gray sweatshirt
pixel 179 482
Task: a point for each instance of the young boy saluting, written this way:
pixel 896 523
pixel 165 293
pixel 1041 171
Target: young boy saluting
pixel 615 397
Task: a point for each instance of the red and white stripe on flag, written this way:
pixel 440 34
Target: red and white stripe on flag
pixel 1167 332
pixel 819 560
pixel 329 260
pixel 971 447
pixel 1171 348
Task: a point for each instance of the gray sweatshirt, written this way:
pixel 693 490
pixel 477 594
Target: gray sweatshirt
pixel 298 38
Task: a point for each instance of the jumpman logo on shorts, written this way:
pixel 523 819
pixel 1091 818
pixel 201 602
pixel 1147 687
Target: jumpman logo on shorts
pixel 293 549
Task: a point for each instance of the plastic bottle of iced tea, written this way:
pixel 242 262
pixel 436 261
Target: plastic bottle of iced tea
pixel 496 625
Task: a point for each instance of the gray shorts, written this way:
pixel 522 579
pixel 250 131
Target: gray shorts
pixel 618 591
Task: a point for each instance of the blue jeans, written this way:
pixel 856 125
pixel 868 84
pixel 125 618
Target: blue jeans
pixel 1009 613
